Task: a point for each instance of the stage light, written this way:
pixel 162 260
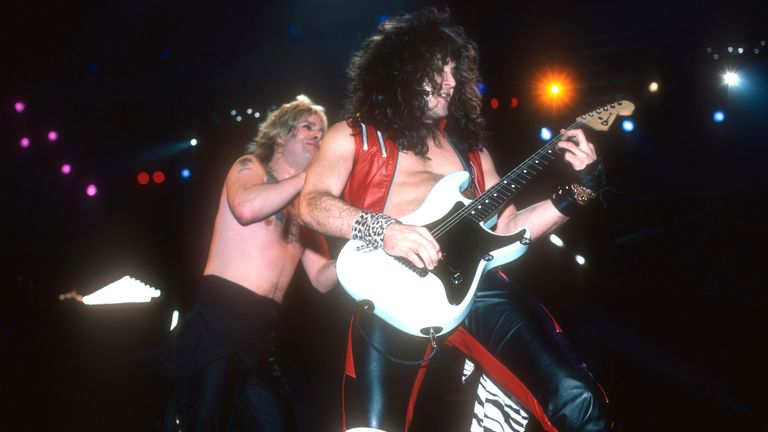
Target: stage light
pixel 494 103
pixel 257 114
pixel 557 241
pixel 718 116
pixel 238 118
pixel 124 290
pixel 53 136
pixel 91 190
pixel 653 87
pixel 730 49
pixel 580 259
pixel 731 79
pixel 628 125
pixel 158 177
pixel 741 50
pixel 143 178
pixel 513 103
pixel 233 112
pixel 545 134
pixel 193 142
pixel 481 88
pixel 174 319
pixel 24 142
pixel 66 169
pixel 19 107
pixel 554 89
pixel 249 111
pixel 185 173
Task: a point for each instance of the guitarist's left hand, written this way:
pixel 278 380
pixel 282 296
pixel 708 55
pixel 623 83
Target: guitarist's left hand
pixel 578 151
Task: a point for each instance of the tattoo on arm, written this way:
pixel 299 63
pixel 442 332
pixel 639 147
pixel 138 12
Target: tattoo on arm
pixel 245 164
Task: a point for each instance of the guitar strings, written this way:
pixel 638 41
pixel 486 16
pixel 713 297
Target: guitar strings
pixel 498 188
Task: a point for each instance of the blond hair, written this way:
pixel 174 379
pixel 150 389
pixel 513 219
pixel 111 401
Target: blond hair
pixel 281 123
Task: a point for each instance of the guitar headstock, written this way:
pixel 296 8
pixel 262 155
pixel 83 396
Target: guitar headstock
pixel 602 118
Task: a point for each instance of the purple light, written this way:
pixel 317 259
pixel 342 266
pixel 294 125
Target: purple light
pixel 53 136
pixel 66 168
pixel 91 190
pixel 24 142
pixel 19 107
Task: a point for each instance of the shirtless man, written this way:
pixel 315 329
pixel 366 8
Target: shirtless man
pixel 223 358
pixel 413 111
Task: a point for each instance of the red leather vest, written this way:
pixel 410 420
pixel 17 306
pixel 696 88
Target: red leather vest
pixel 375 166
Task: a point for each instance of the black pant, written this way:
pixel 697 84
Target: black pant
pixel 222 359
pixel 228 395
pixel 507 333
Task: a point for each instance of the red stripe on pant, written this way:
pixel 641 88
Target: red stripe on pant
pixel 467 344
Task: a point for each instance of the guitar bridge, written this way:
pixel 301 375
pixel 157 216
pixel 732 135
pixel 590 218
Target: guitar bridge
pixel 421 272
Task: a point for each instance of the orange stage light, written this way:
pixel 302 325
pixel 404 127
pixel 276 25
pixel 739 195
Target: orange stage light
pixel 554 89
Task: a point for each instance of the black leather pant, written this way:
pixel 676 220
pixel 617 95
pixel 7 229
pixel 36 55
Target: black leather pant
pixel 229 395
pixel 507 333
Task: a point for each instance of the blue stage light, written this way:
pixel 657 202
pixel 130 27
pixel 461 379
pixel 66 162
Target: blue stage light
pixel 481 88
pixel 545 134
pixel 628 125
pixel 718 116
pixel 185 173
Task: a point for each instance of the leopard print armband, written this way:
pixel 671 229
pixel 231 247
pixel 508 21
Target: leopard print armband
pixel 369 227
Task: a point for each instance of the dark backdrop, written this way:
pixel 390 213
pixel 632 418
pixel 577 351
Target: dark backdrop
pixel 668 310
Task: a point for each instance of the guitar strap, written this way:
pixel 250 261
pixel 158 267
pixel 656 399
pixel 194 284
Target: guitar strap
pixel 463 154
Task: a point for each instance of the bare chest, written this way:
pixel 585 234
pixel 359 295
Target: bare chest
pixel 416 175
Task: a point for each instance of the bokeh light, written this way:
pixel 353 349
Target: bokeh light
pixel 143 178
pixel 158 177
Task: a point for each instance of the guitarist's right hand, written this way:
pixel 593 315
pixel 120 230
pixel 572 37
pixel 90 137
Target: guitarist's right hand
pixel 413 243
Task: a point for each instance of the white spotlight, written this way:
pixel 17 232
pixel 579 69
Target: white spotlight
pixel 193 142
pixel 653 87
pixel 580 259
pixel 557 241
pixel 125 290
pixel 174 319
pixel 731 79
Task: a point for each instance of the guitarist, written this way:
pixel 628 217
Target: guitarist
pixel 413 117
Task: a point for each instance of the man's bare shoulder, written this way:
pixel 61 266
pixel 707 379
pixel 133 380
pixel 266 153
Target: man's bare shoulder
pixel 339 132
pixel 247 166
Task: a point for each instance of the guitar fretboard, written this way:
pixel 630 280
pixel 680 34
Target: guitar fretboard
pixel 508 186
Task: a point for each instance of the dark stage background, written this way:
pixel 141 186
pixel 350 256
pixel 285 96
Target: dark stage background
pixel 669 310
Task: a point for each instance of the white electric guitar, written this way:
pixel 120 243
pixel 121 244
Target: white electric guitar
pixel 425 303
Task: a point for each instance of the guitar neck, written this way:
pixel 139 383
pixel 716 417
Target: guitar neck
pixel 508 186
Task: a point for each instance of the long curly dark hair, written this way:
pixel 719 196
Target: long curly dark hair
pixel 387 77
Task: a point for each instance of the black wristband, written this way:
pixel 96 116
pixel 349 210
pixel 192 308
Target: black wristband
pixel 564 201
pixel 592 176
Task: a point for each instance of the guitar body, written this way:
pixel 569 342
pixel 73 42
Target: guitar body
pixel 414 300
